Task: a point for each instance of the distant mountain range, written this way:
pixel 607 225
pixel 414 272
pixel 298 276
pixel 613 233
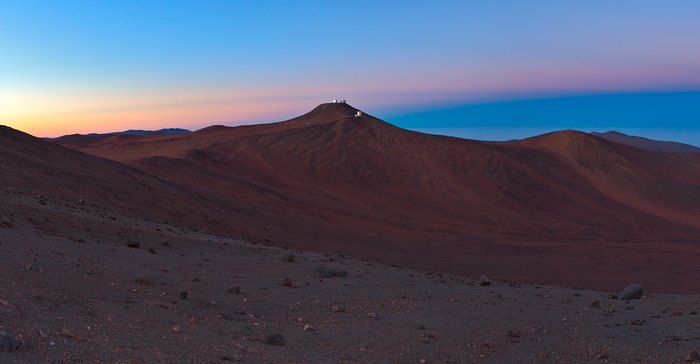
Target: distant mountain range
pixel 81 140
pixel 648 144
pixel 565 208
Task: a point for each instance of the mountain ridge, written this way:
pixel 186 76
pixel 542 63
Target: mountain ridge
pixel 646 143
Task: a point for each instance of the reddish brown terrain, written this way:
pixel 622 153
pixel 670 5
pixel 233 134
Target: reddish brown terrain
pixel 649 144
pixel 154 255
pixel 567 208
pixel 83 283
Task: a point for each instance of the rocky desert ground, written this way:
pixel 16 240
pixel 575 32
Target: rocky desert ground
pixel 85 284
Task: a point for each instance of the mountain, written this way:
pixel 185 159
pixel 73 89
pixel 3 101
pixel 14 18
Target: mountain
pixel 648 144
pixel 48 170
pixel 83 140
pixel 563 208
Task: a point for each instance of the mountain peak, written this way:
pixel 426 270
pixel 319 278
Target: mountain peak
pixel 326 113
pixel 342 108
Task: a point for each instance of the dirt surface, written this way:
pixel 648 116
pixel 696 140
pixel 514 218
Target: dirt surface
pixel 86 284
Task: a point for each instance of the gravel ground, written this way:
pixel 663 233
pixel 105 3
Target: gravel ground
pixel 82 284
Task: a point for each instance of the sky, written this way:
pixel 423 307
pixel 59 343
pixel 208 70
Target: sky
pixel 98 66
pixel 671 116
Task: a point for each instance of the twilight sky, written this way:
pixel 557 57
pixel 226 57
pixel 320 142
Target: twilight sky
pixel 96 66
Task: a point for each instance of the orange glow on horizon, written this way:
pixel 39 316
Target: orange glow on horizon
pixel 81 112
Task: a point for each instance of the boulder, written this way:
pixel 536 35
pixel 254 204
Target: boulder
pixel 632 292
pixel 484 281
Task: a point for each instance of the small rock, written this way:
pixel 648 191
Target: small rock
pixel 176 328
pixel 67 333
pixel 9 344
pixel 196 279
pixel 152 251
pixel 143 281
pixel 234 290
pixel 183 295
pixel 484 281
pixel 595 304
pixel 308 328
pixel 274 340
pixel 287 282
pixel 6 223
pixel 632 292
pixel 234 357
pixel 514 333
pixel 339 309
pixel 289 258
pixel 325 272
pixel 133 245
pixel 692 356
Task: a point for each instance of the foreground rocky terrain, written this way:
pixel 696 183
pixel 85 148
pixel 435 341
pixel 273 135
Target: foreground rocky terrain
pixel 86 284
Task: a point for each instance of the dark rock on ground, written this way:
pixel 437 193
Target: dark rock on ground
pixel 326 272
pixel 274 340
pixel 143 281
pixel 6 223
pixel 692 356
pixel 484 281
pixel 287 282
pixel 632 292
pixel 9 344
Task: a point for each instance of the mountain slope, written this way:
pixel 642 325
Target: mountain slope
pixel 648 144
pixel 659 184
pixel 48 170
pixel 526 210
pixel 83 140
